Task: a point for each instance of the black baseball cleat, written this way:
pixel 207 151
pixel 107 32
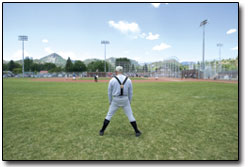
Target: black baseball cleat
pixel 101 133
pixel 137 134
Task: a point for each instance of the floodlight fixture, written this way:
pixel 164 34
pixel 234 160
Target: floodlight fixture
pixel 204 22
pixel 104 42
pixel 23 38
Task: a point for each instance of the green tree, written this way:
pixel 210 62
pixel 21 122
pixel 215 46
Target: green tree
pixel 49 66
pixel 56 69
pixel 97 65
pixel 92 67
pixel 5 67
pixel 27 64
pixel 17 70
pixel 35 67
pixel 79 66
pixel 11 65
pixel 69 65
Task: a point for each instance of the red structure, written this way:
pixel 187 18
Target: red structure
pixel 44 72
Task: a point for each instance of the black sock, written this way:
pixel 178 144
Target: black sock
pixel 135 126
pixel 105 124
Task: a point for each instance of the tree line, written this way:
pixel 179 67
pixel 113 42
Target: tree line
pixel 98 65
pixel 70 66
pixel 76 66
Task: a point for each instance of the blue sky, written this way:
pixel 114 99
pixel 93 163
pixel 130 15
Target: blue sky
pixel 142 31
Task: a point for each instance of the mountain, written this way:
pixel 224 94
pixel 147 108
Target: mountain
pixel 59 61
pixel 53 58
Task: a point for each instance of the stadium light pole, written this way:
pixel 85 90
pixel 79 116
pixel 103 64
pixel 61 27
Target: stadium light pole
pixel 23 38
pixel 220 45
pixel 105 43
pixel 203 23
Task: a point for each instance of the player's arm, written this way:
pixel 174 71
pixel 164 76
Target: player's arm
pixel 130 90
pixel 110 87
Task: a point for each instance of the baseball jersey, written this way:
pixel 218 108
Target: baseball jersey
pixel 114 88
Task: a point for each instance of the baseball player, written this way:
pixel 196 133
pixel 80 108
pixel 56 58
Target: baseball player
pixel 96 78
pixel 120 93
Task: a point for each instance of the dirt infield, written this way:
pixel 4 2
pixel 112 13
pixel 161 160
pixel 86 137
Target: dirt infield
pixel 135 81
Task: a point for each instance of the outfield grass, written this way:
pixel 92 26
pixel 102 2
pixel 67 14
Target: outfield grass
pixel 61 121
pixel 108 78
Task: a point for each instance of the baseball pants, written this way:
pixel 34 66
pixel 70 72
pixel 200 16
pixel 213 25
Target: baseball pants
pixel 117 102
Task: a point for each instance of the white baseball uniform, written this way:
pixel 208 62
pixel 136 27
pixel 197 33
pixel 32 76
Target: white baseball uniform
pixel 116 101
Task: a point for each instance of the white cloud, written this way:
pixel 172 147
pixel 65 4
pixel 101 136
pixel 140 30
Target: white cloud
pixel 142 35
pixel 152 37
pixel 125 27
pixel 48 50
pixel 18 55
pixel 235 48
pixel 231 31
pixel 160 47
pixel 45 41
pixel 128 28
pixel 156 5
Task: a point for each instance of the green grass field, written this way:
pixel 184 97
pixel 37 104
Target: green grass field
pixel 108 78
pixel 61 121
